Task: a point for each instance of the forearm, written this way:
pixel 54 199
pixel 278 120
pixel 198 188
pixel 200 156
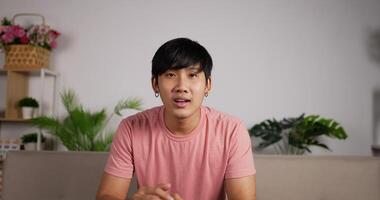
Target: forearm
pixel 241 188
pixel 112 188
pixel 107 197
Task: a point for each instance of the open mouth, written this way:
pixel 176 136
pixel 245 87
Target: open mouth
pixel 180 102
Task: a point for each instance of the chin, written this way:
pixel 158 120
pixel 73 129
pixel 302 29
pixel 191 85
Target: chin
pixel 182 114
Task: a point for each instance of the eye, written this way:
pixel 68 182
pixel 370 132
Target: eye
pixel 193 75
pixel 170 75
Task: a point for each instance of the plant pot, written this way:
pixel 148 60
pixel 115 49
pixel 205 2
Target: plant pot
pixel 32 146
pixel 27 112
pixel 287 149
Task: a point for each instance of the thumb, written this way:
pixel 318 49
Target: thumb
pixel 164 186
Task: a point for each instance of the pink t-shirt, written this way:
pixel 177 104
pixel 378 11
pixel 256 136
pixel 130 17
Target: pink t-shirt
pixel 196 165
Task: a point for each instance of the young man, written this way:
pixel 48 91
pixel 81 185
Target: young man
pixel 181 150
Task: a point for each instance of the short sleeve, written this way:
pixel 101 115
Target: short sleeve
pixel 120 160
pixel 240 159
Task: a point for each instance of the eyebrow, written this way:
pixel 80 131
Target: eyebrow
pixel 198 68
pixel 192 68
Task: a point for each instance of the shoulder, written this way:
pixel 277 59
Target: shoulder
pixel 222 124
pixel 149 116
pixel 224 129
pixel 219 117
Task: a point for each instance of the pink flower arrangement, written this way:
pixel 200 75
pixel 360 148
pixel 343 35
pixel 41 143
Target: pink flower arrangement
pixel 37 35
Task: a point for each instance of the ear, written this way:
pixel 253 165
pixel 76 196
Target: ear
pixel 208 85
pixel 154 82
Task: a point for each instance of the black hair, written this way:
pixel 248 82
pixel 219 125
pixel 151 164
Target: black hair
pixel 181 53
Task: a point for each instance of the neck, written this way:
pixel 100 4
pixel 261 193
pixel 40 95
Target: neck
pixel 182 126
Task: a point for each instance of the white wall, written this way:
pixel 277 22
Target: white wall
pixel 272 58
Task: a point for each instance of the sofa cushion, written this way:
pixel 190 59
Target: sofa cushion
pixel 52 175
pixel 317 177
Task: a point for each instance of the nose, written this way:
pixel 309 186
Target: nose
pixel 181 86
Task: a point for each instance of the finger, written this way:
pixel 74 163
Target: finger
pixel 164 186
pixel 150 197
pixel 146 197
pixel 144 193
pixel 139 193
pixel 164 194
pixel 161 190
pixel 177 197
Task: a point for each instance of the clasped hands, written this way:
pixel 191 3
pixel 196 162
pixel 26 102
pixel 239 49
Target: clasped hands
pixel 159 192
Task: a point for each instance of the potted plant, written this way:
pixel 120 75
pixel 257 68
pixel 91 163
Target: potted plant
pixel 29 141
pixel 28 105
pixel 296 135
pixel 83 130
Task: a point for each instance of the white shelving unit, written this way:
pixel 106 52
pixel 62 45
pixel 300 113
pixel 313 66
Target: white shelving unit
pixel 42 74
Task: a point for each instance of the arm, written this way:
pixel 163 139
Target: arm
pixel 113 187
pixel 116 188
pixel 120 159
pixel 241 188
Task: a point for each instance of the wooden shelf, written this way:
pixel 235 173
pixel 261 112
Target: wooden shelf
pixel 18 120
pixel 30 71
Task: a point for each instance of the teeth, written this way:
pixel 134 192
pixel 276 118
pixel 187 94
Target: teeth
pixel 181 100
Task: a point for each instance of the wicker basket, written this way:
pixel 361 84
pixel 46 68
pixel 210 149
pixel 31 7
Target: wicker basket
pixel 26 57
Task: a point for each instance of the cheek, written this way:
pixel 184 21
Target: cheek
pixel 165 92
pixel 199 88
pixel 164 86
pixel 166 89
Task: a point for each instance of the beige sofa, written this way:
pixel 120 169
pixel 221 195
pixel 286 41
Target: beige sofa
pixel 76 175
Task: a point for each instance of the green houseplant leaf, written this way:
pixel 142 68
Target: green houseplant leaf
pixel 269 130
pixel 83 130
pixel 31 138
pixel 296 135
pixel 28 102
pixel 131 103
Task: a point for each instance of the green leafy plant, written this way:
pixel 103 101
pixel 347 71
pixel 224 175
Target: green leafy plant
pixel 28 102
pixel 82 130
pixel 296 135
pixel 31 137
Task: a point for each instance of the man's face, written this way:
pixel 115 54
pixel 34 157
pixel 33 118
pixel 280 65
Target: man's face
pixel 182 91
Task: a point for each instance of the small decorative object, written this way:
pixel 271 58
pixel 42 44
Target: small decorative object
pixel 28 106
pixel 30 141
pixel 8 144
pixel 296 135
pixel 27 47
